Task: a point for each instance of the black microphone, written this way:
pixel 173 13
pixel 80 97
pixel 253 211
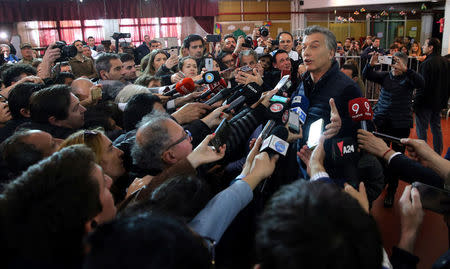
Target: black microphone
pixel 345 156
pixel 221 95
pixel 276 142
pixel 249 95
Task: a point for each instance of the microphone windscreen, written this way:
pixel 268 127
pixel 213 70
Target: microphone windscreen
pixel 211 77
pixel 280 132
pixel 185 86
pixel 359 109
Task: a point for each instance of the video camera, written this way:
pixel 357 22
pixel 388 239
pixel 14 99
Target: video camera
pixel 67 51
pixel 117 36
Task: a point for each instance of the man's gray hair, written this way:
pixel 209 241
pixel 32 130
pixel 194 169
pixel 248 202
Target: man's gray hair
pixel 248 53
pixel 147 152
pixel 103 62
pixel 330 38
pixel 403 57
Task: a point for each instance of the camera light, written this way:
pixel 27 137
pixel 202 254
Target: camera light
pixel 3 35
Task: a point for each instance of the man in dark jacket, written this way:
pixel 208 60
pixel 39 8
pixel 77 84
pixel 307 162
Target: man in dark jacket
pixel 393 113
pixel 434 95
pixel 323 81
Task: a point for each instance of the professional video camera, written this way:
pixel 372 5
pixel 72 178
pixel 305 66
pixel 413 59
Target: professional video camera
pixel 117 36
pixel 67 51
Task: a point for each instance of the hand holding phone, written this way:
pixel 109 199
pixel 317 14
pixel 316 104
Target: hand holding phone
pixel 221 133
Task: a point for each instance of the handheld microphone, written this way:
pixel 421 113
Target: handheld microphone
pixel 213 88
pixel 276 142
pixel 249 95
pixel 278 112
pixel 345 155
pixel 300 105
pixel 220 95
pixel 209 77
pixel 185 86
pixel 360 111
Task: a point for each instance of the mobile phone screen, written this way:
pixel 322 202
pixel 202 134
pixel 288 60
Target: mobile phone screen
pixel 315 131
pixel 221 132
pixel 209 64
pixel 432 198
pixel 277 98
pixel 282 81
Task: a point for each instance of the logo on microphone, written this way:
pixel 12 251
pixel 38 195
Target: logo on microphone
pixel 355 108
pixel 276 107
pixel 209 77
pixel 340 146
pixel 345 149
pixel 280 147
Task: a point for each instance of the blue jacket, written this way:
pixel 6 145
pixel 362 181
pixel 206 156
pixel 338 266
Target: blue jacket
pixel 333 84
pixel 395 102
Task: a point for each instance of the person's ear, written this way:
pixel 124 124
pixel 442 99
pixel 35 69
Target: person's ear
pixel 103 75
pixel 168 157
pixel 90 226
pixel 331 55
pixel 25 112
pixel 52 120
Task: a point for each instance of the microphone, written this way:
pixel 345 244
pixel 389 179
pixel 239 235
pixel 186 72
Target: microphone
pixel 276 142
pixel 183 87
pixel 345 155
pixel 360 111
pixel 221 95
pixel 209 77
pixel 213 88
pixel 249 94
pixel 300 105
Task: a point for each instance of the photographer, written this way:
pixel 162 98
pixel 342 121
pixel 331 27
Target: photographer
pixel 392 114
pixel 82 65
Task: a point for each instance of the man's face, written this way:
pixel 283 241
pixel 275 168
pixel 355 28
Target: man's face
pixel 147 39
pixel 196 49
pixel 181 143
pixel 91 42
pixel 286 42
pixel 229 61
pixel 43 141
pixel 369 40
pixel 283 62
pixel 27 53
pixel 111 159
pixel 66 68
pixel 79 46
pixel 376 43
pixel 75 119
pixel 87 52
pixel 347 43
pixel 155 46
pixel 129 70
pixel 426 49
pixel 5 50
pixel 265 62
pixel 229 44
pixel 104 183
pixel 115 73
pixel 316 55
pixel 248 60
pixel 348 73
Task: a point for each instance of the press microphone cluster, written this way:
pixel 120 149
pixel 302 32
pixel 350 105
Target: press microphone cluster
pixel 249 94
pixel 183 87
pixel 213 89
pixel 360 111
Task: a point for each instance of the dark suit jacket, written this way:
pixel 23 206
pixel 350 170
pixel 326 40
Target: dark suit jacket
pixel 409 170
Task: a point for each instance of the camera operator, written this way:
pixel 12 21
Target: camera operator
pixel 82 65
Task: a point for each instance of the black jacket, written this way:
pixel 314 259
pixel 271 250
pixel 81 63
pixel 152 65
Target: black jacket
pixel 436 72
pixel 10 128
pixel 55 131
pixel 395 101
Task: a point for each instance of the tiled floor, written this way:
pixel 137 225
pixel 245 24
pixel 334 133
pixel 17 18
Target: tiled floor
pixel 432 241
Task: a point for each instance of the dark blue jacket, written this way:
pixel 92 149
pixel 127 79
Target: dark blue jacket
pixel 395 101
pixel 333 84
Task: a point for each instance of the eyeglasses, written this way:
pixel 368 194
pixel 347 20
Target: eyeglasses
pixel 187 135
pixel 89 133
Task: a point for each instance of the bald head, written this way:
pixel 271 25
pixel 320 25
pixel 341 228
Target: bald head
pixel 81 88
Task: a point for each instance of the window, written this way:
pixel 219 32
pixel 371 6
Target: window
pixel 44 33
pixel 154 27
